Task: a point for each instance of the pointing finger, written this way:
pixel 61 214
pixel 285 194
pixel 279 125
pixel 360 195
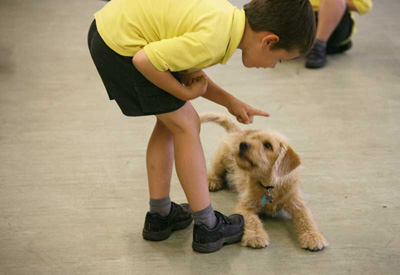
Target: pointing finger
pixel 256 112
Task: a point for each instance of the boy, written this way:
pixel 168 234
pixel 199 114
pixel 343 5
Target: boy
pixel 336 25
pixel 139 46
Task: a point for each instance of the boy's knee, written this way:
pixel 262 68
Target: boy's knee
pixel 187 125
pixel 188 122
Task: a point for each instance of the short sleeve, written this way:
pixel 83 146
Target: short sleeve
pixel 179 53
pixel 363 6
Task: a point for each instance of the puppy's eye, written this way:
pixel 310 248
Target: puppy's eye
pixel 268 146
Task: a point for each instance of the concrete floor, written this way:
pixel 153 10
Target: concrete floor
pixel 73 192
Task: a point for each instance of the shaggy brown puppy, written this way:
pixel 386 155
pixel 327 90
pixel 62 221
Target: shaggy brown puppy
pixel 262 168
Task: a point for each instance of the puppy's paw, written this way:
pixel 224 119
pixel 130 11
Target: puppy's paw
pixel 255 239
pixel 215 183
pixel 313 241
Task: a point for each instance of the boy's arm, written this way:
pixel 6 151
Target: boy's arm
pixel 166 81
pixel 243 112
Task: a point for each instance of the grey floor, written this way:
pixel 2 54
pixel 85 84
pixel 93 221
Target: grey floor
pixel 73 191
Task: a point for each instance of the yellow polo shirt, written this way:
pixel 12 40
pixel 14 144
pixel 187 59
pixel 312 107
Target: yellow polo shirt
pixel 362 6
pixel 177 35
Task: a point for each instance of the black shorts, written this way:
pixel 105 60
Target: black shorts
pixel 134 94
pixel 341 35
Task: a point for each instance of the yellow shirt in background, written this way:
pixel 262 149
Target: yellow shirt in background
pixel 362 6
pixel 176 35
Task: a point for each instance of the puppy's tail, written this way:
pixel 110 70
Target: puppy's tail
pixel 221 119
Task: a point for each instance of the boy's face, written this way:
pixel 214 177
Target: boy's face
pixel 261 54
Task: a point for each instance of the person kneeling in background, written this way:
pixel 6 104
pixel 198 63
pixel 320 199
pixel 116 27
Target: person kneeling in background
pixel 335 26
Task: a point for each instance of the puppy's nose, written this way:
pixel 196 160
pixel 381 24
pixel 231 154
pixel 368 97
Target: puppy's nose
pixel 244 146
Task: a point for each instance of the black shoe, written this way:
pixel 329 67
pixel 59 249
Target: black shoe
pixel 316 58
pixel 228 230
pixel 158 228
pixel 339 49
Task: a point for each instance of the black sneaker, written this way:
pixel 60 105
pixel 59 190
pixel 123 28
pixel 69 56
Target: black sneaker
pixel 228 230
pixel 316 58
pixel 158 228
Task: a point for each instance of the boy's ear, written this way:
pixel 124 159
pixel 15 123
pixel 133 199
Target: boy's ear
pixel 269 39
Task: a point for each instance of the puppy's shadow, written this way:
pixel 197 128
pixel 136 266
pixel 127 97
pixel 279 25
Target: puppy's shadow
pixel 281 228
pixel 224 200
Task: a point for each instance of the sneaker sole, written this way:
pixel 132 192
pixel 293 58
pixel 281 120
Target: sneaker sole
pixel 313 66
pixel 163 235
pixel 215 246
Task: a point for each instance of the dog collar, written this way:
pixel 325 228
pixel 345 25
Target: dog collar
pixel 267 195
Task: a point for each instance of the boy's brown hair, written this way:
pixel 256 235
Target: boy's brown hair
pixel 292 20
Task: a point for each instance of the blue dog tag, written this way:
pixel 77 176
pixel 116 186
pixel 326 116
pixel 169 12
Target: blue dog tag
pixel 266 198
pixel 264 201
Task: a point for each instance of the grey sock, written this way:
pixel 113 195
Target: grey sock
pixel 160 206
pixel 205 216
pixel 320 43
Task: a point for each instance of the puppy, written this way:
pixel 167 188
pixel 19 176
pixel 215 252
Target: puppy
pixel 262 168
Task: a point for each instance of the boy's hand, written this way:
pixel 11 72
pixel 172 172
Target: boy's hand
pixel 243 112
pixel 197 87
pixel 197 84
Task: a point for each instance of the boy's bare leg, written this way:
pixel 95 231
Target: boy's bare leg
pixel 164 216
pixel 159 161
pixel 184 125
pixel 330 12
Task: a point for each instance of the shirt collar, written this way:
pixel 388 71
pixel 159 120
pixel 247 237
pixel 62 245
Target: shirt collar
pixel 238 24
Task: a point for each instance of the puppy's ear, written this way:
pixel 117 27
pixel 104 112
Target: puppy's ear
pixel 287 161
